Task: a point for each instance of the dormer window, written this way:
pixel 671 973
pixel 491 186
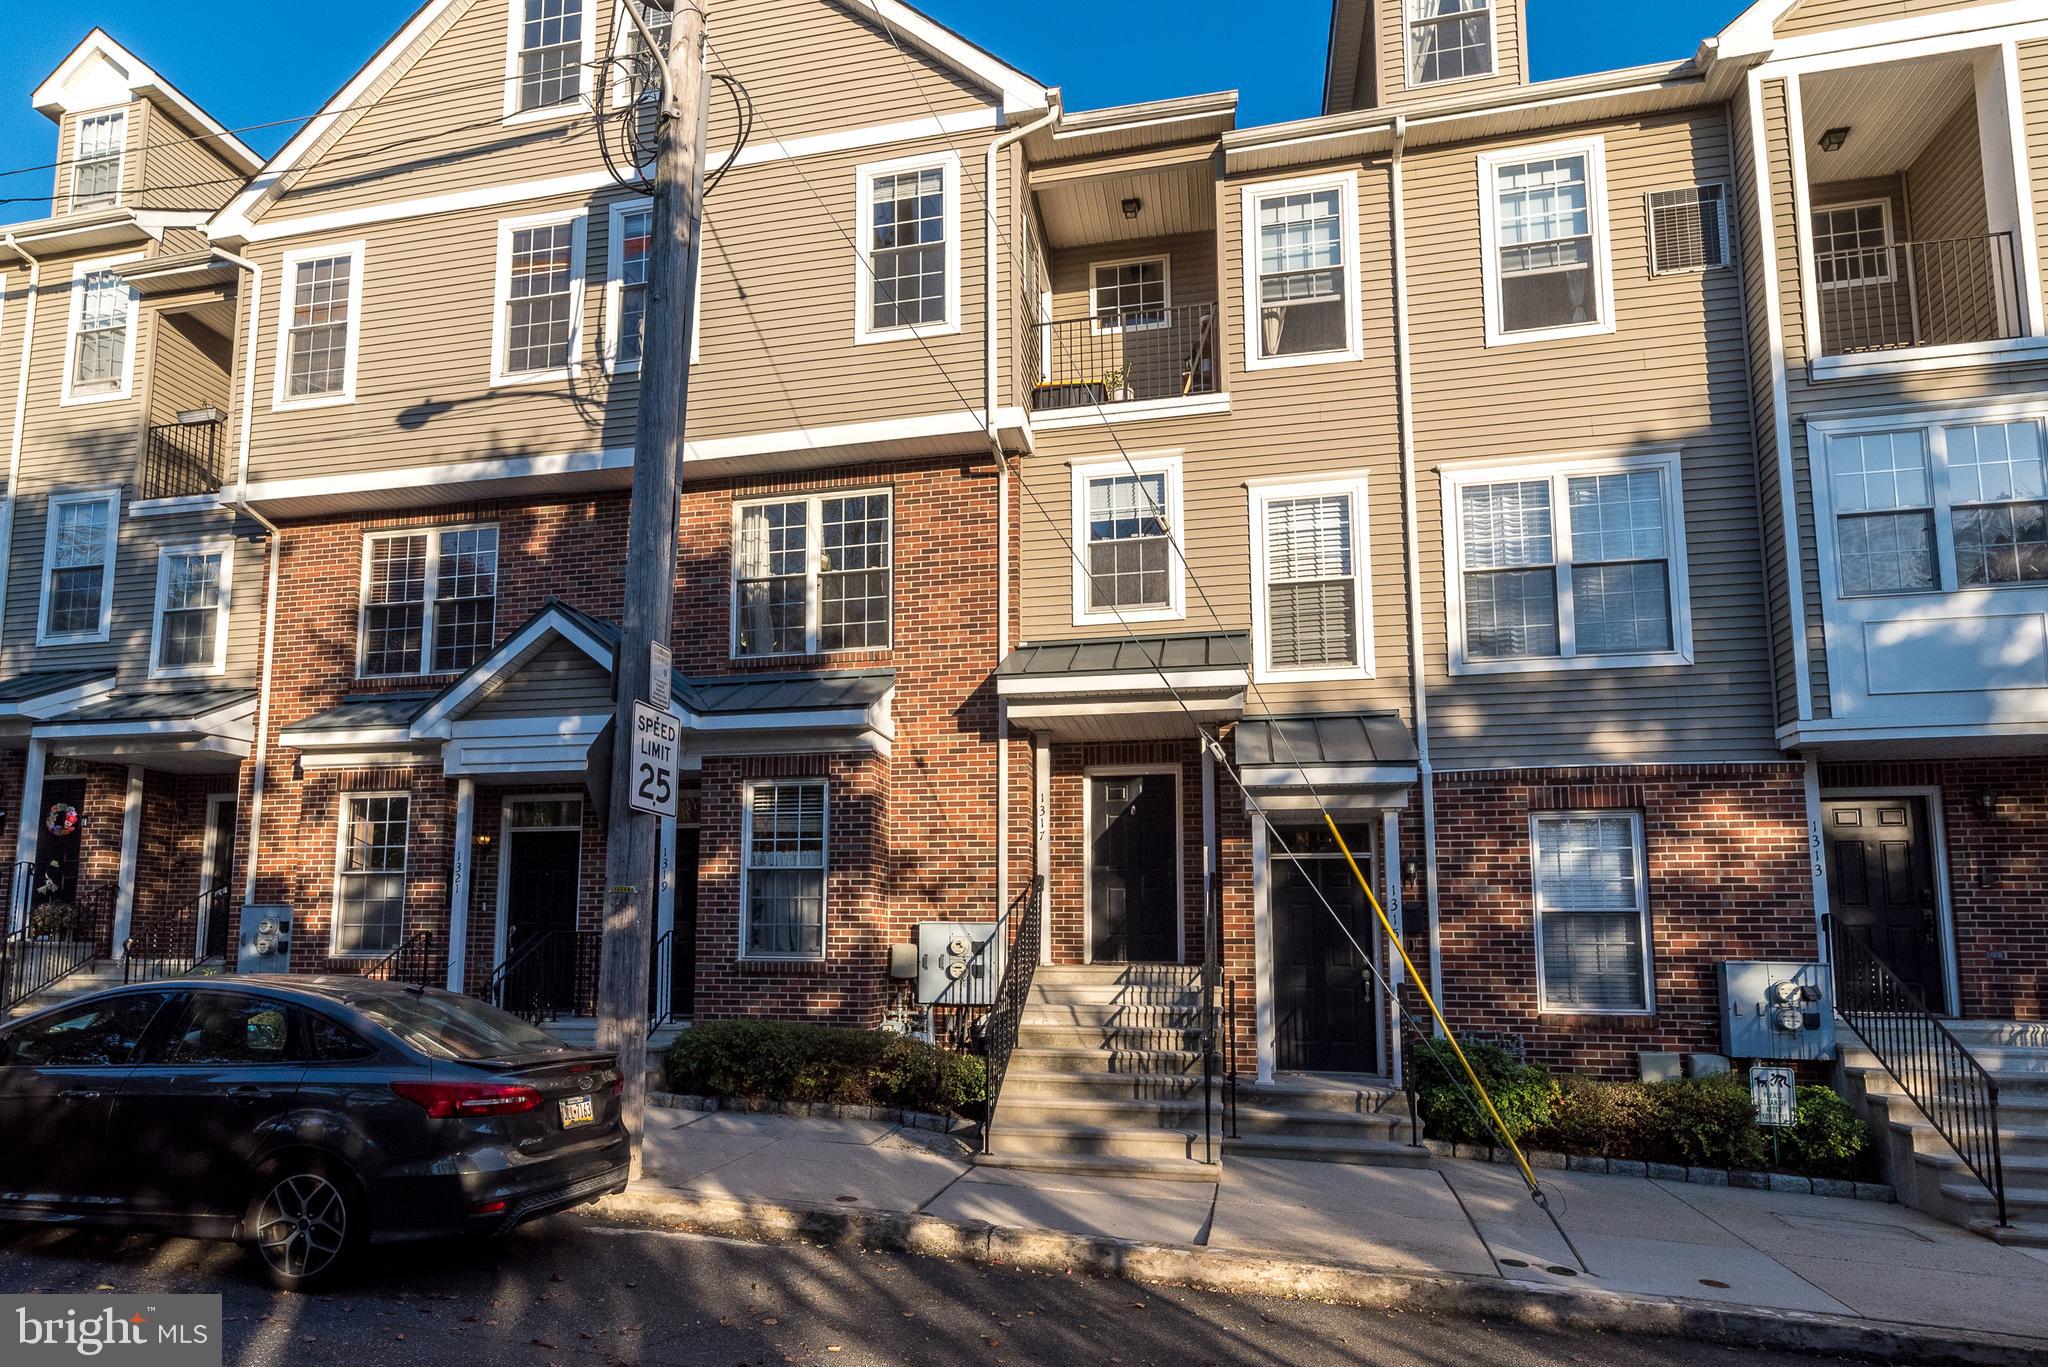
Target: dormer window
pixel 1449 40
pixel 96 160
pixel 550 49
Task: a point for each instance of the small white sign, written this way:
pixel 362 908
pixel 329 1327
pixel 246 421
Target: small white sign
pixel 661 666
pixel 1775 1093
pixel 657 755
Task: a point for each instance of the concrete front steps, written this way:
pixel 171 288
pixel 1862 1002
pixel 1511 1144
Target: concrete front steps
pixel 1328 1120
pixel 94 977
pixel 1927 1172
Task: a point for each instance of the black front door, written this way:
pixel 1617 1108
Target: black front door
pixel 541 876
pixel 56 847
pixel 219 875
pixel 1133 885
pixel 1326 1017
pixel 682 972
pixel 1881 887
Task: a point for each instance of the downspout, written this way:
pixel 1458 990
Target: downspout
pixel 990 365
pixel 28 346
pixel 1411 533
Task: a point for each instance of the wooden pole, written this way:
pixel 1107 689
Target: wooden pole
pixel 633 844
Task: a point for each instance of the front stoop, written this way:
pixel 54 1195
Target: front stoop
pixel 94 977
pixel 1329 1120
pixel 1926 1171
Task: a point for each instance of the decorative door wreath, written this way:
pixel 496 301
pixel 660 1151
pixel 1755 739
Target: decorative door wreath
pixel 62 820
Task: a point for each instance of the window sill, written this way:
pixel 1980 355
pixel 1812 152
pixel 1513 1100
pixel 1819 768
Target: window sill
pixel 1565 1015
pixel 97 638
pixel 1560 334
pixel 322 401
pixel 170 507
pixel 70 400
pixel 207 672
pixel 792 968
pixel 906 334
pixel 2015 351
pixel 552 113
pixel 535 377
pixel 1347 356
pixel 1553 665
pixel 1111 619
pixel 1332 674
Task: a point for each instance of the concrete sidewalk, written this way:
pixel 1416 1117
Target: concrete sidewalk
pixel 1744 1250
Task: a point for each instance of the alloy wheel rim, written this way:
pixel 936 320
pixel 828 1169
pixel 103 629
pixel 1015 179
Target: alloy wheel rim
pixel 302 1225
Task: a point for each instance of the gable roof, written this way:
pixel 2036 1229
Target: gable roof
pixel 56 94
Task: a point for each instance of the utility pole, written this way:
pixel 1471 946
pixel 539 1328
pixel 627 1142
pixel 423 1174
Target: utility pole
pixel 633 844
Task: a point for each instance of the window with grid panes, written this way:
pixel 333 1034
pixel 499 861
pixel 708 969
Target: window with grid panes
pixel 1130 547
pixel 1510 573
pixel 75 591
pixel 908 248
pixel 1999 502
pixel 636 229
pixel 96 161
pixel 1852 244
pixel 430 602
pixel 1884 512
pixel 1311 582
pixel 1688 229
pixel 192 610
pixel 771 580
pixel 369 911
pixel 1130 294
pixel 1449 40
pixel 99 358
pixel 540 317
pixel 646 66
pixel 788 601
pixel 316 339
pixel 465 606
pixel 1543 221
pixel 1591 910
pixel 854 572
pixel 550 62
pixel 1301 272
pixel 784 871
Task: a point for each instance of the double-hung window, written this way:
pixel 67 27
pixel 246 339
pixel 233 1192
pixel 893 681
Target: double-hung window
pixel 430 600
pixel 1852 244
pixel 1592 912
pixel 1126 522
pixel 78 568
pixel 1301 271
pixel 1449 40
pixel 540 298
pixel 319 322
pixel 1129 294
pixel 640 72
pixel 782 871
pixel 96 160
pixel 812 575
pixel 192 594
pixel 1310 610
pixel 909 268
pixel 1544 231
pixel 103 311
pixel 631 248
pixel 550 48
pixel 1577 564
pixel 369 893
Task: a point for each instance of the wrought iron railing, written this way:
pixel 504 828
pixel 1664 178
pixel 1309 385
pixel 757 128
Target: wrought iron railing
pixel 548 975
pixel 660 963
pixel 1915 294
pixel 1930 1065
pixel 1126 357
pixel 412 962
pixel 50 939
pixel 1230 1071
pixel 169 947
pixel 1013 992
pixel 180 459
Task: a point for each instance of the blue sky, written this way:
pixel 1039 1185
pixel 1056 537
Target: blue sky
pixel 254 61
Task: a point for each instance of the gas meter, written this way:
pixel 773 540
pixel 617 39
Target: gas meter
pixel 266 942
pixel 1776 1010
pixel 959 963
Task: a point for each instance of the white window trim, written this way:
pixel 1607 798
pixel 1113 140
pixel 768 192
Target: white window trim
pixel 1453 478
pixel 501 298
pixel 1166 286
pixel 814 559
pixel 864 331
pixel 1346 184
pixel 1262 493
pixel 1891 241
pixel 1721 211
pixel 433 580
pixel 825 872
pixel 515 14
pixel 288 274
pixel 225 549
pixel 1594 150
pixel 112 498
pixel 1408 23
pixel 75 307
pixel 615 288
pixel 341 864
pixel 1543 1004
pixel 68 173
pixel 1168 464
pixel 624 38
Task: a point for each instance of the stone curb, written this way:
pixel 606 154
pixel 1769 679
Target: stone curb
pixel 1671 1172
pixel 1252 1274
pixel 817 1110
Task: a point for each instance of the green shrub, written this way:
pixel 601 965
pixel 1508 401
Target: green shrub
pixel 1521 1092
pixel 1704 1122
pixel 787 1061
pixel 1598 1119
pixel 1828 1138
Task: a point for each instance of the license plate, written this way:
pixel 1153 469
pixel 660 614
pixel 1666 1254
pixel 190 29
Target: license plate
pixel 578 1110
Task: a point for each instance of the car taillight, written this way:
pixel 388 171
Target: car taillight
pixel 618 1083
pixel 446 1100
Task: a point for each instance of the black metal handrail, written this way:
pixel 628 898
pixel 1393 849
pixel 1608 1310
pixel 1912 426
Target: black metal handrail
pixel 50 940
pixel 412 962
pixel 1126 356
pixel 1013 991
pixel 1230 1072
pixel 170 946
pixel 551 974
pixel 1943 292
pixel 1954 1091
pixel 182 459
pixel 659 962
pixel 1212 973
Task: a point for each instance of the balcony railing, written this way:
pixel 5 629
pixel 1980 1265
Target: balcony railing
pixel 1126 357
pixel 1919 294
pixel 181 459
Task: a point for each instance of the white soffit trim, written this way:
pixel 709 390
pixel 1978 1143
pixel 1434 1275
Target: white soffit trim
pixel 52 96
pixel 1018 91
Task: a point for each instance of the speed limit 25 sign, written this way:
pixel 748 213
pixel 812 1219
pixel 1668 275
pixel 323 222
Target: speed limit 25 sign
pixel 657 754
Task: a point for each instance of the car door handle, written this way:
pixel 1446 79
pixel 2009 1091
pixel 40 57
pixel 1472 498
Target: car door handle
pixel 249 1092
pixel 80 1094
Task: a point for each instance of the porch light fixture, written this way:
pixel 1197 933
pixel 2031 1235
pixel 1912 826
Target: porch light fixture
pixel 1987 802
pixel 482 840
pixel 1832 140
pixel 1132 206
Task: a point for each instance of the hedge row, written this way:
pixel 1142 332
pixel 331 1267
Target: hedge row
pixel 781 1061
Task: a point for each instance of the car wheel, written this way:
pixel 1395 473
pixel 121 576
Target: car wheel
pixel 305 1224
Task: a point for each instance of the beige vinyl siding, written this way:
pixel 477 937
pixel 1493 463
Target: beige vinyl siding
pixel 561 680
pixel 2033 64
pixel 1510 59
pixel 810 67
pixel 1946 185
pixel 190 369
pixel 1671 377
pixel 181 173
pixel 1811 16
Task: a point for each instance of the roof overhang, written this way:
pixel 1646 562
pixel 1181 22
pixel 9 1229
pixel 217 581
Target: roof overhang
pixel 65 693
pixel 106 230
pixel 99 72
pixel 217 738
pixel 181 273
pixel 1839 740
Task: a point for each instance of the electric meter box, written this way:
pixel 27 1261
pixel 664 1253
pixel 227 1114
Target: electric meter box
pixel 959 963
pixel 1776 1010
pixel 266 944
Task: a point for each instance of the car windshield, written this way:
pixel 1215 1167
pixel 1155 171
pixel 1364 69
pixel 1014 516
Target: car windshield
pixel 454 1027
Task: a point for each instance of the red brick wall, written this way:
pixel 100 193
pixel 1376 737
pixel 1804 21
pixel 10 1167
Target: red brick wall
pixel 171 852
pixel 1997 865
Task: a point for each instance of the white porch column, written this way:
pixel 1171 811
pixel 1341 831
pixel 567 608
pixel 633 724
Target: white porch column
pixel 31 821
pixel 1262 948
pixel 1390 890
pixel 665 917
pixel 459 880
pixel 1210 873
pixel 1817 849
pixel 1041 835
pixel 131 847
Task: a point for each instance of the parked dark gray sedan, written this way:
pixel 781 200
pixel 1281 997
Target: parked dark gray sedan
pixel 304 1116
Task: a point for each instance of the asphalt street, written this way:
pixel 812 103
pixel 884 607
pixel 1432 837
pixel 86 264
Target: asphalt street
pixel 572 1291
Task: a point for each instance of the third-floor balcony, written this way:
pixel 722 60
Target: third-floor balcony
pixel 186 458
pixel 1125 356
pixel 1920 294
